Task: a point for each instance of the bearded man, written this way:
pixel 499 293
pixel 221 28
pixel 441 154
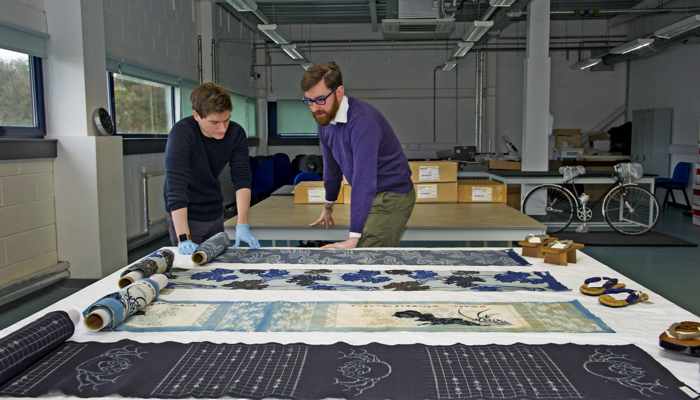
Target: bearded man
pixel 358 142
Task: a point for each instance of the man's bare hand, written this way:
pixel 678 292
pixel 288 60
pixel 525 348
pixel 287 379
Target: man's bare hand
pixel 351 243
pixel 325 219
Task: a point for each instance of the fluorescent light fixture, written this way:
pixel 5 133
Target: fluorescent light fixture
pixel 306 65
pixel 631 46
pixel 587 63
pixel 273 33
pixel 501 3
pixel 449 65
pixel 679 27
pixel 477 30
pixel 291 50
pixel 243 5
pixel 461 49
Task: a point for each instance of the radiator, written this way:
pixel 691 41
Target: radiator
pixel 154 205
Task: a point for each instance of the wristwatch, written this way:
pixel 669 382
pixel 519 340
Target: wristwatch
pixel 183 237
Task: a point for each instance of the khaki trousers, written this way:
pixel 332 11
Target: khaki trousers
pixel 387 219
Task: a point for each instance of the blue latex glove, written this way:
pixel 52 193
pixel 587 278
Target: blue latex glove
pixel 187 247
pixel 243 233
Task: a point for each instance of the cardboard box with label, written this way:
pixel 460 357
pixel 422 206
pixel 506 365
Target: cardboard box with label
pixel 567 154
pixel 313 192
pixel 439 192
pixel 481 191
pixel 433 171
pixel 347 190
pixel 567 137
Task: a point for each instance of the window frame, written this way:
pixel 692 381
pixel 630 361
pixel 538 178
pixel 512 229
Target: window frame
pixel 112 110
pixel 37 83
pixel 272 127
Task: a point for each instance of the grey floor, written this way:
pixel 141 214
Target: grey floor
pixel 673 272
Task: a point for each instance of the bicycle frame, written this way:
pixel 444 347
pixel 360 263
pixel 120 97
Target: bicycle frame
pixel 616 183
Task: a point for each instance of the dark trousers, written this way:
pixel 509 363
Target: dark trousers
pixel 199 230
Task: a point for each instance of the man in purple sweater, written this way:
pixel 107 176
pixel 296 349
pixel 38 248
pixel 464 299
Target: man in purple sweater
pixel 358 142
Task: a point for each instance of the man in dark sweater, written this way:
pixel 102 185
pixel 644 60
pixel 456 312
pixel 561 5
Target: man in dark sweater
pixel 197 151
pixel 358 142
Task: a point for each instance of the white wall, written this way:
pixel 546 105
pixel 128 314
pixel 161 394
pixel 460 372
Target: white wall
pixel 670 79
pixel 27 218
pixel 400 84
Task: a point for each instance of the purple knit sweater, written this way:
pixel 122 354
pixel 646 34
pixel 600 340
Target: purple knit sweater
pixel 367 151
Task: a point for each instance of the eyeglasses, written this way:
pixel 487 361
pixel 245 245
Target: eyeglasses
pixel 320 101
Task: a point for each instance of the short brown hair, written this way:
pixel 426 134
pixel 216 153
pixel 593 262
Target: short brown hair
pixel 210 98
pixel 330 73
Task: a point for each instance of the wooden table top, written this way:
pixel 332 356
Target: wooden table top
pixel 280 211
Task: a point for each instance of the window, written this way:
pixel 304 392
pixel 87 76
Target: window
pixel 142 107
pixel 21 96
pixel 243 113
pixel 291 119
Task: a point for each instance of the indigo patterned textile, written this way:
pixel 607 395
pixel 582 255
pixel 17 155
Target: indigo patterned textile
pixel 126 302
pixel 504 258
pixel 211 248
pixel 373 371
pixel 368 280
pixel 25 346
pixel 158 262
pixel 366 316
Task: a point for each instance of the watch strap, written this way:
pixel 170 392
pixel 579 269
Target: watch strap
pixel 183 237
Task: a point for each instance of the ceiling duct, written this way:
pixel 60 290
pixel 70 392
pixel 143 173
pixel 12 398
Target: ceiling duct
pixel 418 20
pixel 418 29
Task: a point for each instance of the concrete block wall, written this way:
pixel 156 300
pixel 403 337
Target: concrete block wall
pixel 27 218
pixel 134 167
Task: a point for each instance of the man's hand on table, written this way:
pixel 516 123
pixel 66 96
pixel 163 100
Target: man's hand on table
pixel 325 219
pixel 351 243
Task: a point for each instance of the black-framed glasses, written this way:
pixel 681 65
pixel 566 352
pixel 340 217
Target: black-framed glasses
pixel 320 101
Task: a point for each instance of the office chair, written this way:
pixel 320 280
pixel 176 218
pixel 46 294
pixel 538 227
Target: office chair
pixel 679 181
pixel 307 176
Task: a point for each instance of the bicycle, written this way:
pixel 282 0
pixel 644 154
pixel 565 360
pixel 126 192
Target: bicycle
pixel 627 208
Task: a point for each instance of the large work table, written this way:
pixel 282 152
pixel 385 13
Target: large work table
pixel 278 218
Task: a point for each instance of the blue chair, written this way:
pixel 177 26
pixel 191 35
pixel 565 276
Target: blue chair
pixel 264 179
pixel 283 171
pixel 307 176
pixel 253 165
pixel 679 181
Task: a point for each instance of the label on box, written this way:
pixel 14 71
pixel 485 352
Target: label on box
pixel 696 197
pixel 427 191
pixel 482 194
pixel 429 173
pixel 317 195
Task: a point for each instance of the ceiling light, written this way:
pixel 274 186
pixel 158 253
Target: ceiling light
pixel 306 66
pixel 449 65
pixel 587 63
pixel 273 33
pixel 477 30
pixel 291 50
pixel 631 46
pixel 243 5
pixel 679 27
pixel 501 3
pixel 461 49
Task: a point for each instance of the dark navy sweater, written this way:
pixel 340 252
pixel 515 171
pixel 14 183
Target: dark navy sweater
pixel 193 163
pixel 367 151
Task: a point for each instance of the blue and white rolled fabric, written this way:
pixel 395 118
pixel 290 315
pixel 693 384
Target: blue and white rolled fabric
pixel 158 262
pixel 111 310
pixel 211 248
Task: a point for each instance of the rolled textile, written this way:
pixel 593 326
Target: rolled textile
pixel 111 310
pixel 29 344
pixel 211 248
pixel 157 262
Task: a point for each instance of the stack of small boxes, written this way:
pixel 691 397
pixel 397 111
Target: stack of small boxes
pixel 434 181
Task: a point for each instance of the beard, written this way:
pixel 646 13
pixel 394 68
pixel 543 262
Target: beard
pixel 329 115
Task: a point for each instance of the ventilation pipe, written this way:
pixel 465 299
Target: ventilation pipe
pixel 479 103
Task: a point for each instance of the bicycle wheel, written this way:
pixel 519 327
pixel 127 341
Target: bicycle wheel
pixel 637 215
pixel 550 205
